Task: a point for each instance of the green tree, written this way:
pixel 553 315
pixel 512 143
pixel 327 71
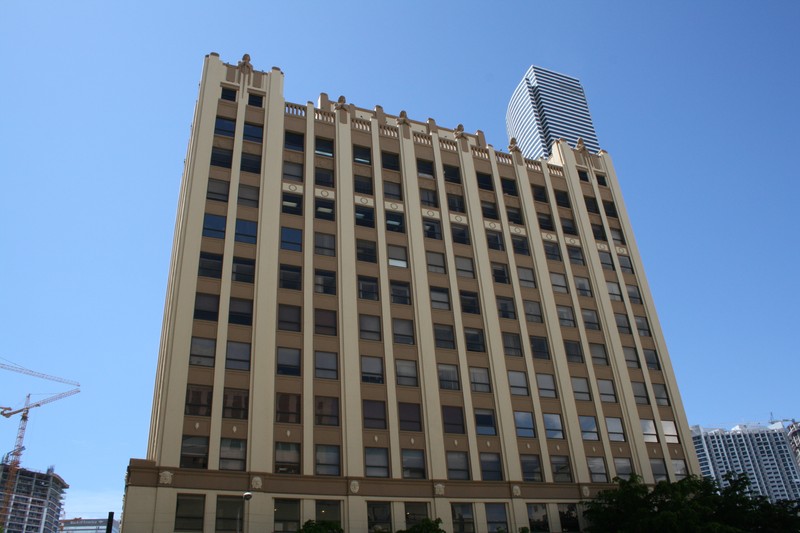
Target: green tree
pixel 323 526
pixel 426 526
pixel 691 505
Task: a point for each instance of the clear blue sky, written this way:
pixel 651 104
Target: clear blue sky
pixel 697 102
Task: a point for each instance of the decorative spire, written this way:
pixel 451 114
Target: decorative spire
pixel 459 132
pixel 512 146
pixel 402 120
pixel 244 65
pixel 340 103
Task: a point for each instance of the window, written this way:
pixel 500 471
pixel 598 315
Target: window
pixel 235 403
pixel 289 317
pixel 539 193
pixel 479 379
pixel 562 199
pixel 323 146
pixel 440 298
pixel 448 377
pixel 533 311
pixel 623 325
pixel 496 520
pixel 640 393
pixel 453 417
pixel 670 432
pixel 614 291
pixel 413 462
pixel 452 174
pixel 244 270
pixel 642 326
pixel 505 307
pixel 217 190
pixel 362 154
pixel 474 340
pixel 660 394
pixel 582 286
pixel 597 469
pixel 574 351
pixel 376 462
pixel 500 273
pixel 287 408
pixel 327 460
pixel 287 515
pixel 470 303
pixel 194 452
pixel 580 388
pixel 679 469
pixel 547 385
pixel 589 429
pixel 189 512
pixel 526 277
pixel 395 222
pixel 323 177
pixel 606 260
pixel 390 161
pixel 649 430
pixel 293 141
pixel 406 372
pixel 583 175
pixel 659 468
pixel 287 458
pixel 329 511
pixel 607 392
pixel 599 232
pixel 514 215
pixel 460 234
pixel 290 277
pixel 293 171
pixel 616 433
pixel 369 327
pixel 559 282
pixel 374 414
pixel 253 132
pixel 562 473
pixel 518 382
pixel 402 331
pixel 325 322
pixel 494 239
pixel 590 319
pixel 512 345
pixel 537 517
pixel 246 231
pixel 455 203
pixel 424 168
pixel 232 454
pixel 325 244
pixel 398 257
pixel 220 157
pixel 625 264
pixel 428 197
pixel 539 347
pixel 575 255
pixel 509 186
pixel 240 312
pixel 489 210
pixel 617 236
pixel 371 369
pixel 651 358
pixel 568 225
pixel 545 222
pixel 228 94
pixel 210 265
pixel 633 294
pixel 484 422
pixel 392 191
pixel 463 519
pixel 237 356
pixel 362 185
pixel 324 209
pixel 444 336
pixel 601 180
pixel 198 400
pixel 457 465
pixel 201 352
pixel 599 354
pixel 484 181
pixel 368 288
pixel 366 251
pixel 326 411
pixel 491 468
pixel 288 362
pixel 409 416
pixel 523 422
pixel 206 307
pixel 610 208
pixel 379 516
pixel 326 365
pixel 520 245
pixel 324 281
pixel 214 226
pixel 291 239
pixel 228 508
pixel 251 163
pixel 623 467
pixel 631 357
pixel 436 262
pixel 566 317
pixel 432 229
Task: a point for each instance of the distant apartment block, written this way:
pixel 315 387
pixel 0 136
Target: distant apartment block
pixel 88 525
pixel 36 501
pixel 761 452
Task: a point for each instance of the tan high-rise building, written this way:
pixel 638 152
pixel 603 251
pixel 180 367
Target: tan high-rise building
pixel 371 319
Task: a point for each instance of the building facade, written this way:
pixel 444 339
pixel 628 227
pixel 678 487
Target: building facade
pixel 793 432
pixel 762 453
pixel 371 320
pixel 88 525
pixel 36 501
pixel 545 107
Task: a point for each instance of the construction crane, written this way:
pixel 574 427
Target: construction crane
pixel 15 455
